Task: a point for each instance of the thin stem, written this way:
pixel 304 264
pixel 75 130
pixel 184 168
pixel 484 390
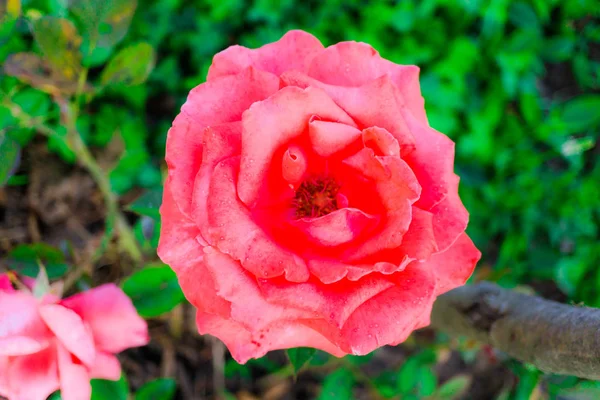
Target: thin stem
pixel 114 216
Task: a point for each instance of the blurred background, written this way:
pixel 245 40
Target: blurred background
pixel 514 83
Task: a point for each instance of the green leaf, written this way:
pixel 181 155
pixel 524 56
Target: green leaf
pixel 10 154
pixel 148 204
pixel 454 388
pixel 581 113
pixel 130 66
pixel 408 376
pixel 110 390
pixel 300 356
pixel 103 23
pixel 59 41
pixel 24 259
pixel 558 49
pixel 337 386
pixel 158 389
pixel 154 290
pixel 34 70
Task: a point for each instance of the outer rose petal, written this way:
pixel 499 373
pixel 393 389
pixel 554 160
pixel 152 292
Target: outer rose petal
pixel 237 286
pixel 432 161
pixel 34 376
pixel 70 331
pixel 270 124
pixel 20 345
pixel 216 102
pixel 391 316
pixel 454 266
pixel 354 64
pixel 450 217
pixel 115 323
pixel 220 142
pixel 294 50
pixel 19 316
pixel 106 366
pixel 181 250
pixel 74 378
pixel 281 335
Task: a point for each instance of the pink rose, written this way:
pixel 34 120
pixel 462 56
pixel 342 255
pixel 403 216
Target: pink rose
pixel 49 344
pixel 309 202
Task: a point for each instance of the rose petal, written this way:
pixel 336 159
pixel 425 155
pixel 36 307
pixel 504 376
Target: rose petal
pixel 70 330
pixel 454 266
pixel 328 138
pixel 220 142
pixel 234 284
pixel 216 102
pixel 34 376
pixel 336 228
pixel 450 217
pixel 294 164
pixel 432 162
pixel 281 335
pixel 376 103
pixel 74 378
pixel 20 345
pixel 355 64
pixel 4 386
pixel 389 317
pixel 179 248
pixel 419 242
pixel 233 231
pixel 113 319
pixel 5 285
pixel 380 141
pixel 294 50
pixel 397 189
pixel 333 302
pixel 19 316
pixel 270 124
pixel 106 366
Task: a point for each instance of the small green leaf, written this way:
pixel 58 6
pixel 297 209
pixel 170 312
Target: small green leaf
pixel 154 290
pixel 59 41
pixel 130 66
pixel 110 390
pixel 148 204
pixel 408 376
pixel 24 259
pixel 158 389
pixel 10 156
pixel 581 113
pixel 337 386
pixel 300 356
pixel 454 388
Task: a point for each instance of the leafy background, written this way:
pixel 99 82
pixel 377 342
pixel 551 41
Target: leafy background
pixel 514 83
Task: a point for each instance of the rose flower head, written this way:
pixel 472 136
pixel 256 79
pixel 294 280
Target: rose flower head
pixel 309 202
pixel 47 344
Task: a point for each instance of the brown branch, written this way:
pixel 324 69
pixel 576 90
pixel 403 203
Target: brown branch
pixel 557 338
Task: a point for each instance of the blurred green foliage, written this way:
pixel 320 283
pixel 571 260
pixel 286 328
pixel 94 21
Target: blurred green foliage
pixel 514 83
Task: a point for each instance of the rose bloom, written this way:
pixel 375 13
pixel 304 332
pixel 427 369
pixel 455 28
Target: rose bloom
pixel 48 344
pixel 309 202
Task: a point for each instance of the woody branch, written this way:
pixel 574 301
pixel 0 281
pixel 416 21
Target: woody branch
pixel 557 338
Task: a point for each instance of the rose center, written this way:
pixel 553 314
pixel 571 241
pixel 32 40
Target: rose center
pixel 316 197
